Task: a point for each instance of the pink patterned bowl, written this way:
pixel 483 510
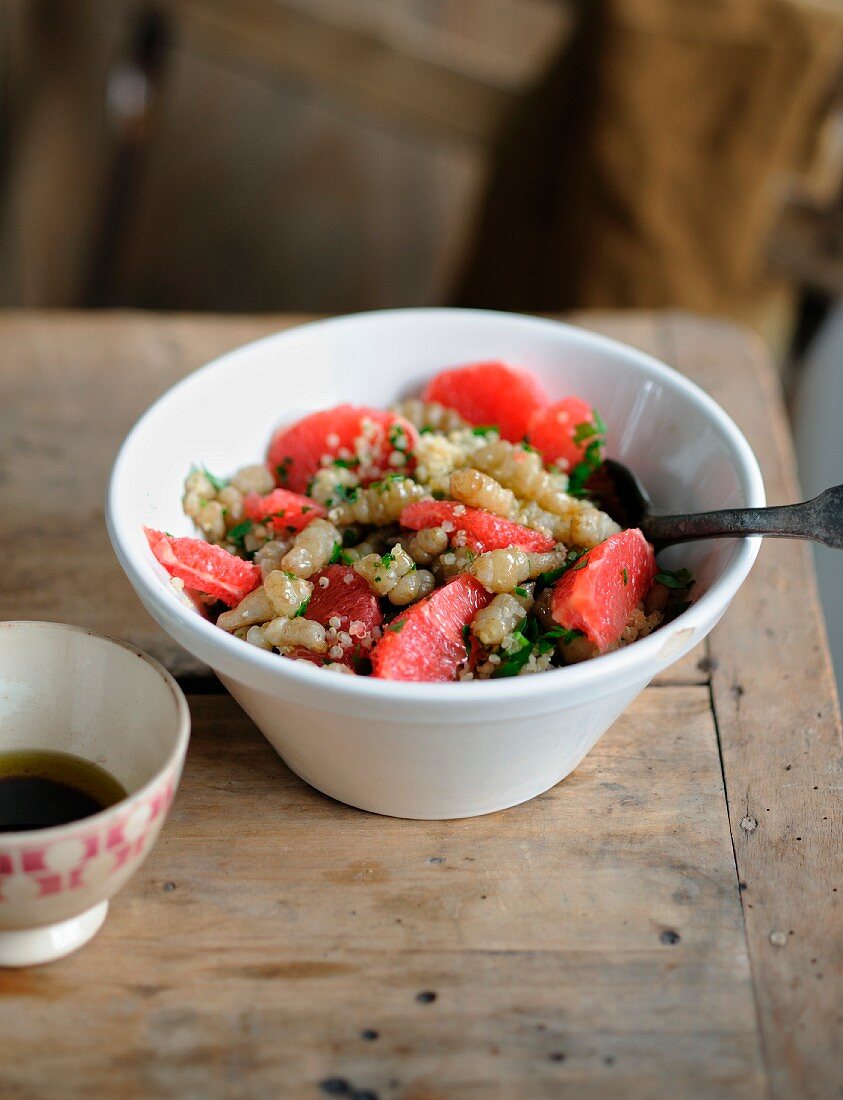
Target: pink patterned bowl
pixel 68 690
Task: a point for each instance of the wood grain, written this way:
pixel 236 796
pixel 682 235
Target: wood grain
pixel 779 726
pixel 71 386
pixel 590 940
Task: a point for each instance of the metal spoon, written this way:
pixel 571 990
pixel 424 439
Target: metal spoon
pixel 619 492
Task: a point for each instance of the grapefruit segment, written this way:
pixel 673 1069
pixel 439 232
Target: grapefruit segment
pixel 207 568
pixel 289 512
pixel 564 431
pixel 346 597
pixel 426 643
pixel 490 394
pixel 478 530
pixel 601 591
pixel 296 452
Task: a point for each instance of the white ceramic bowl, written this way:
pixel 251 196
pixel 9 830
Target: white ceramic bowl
pixel 65 689
pixel 432 750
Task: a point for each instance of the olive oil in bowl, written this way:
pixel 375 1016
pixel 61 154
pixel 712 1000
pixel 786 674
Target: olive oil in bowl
pixel 39 789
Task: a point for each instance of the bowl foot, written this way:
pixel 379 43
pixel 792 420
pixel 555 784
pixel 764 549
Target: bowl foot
pixel 32 946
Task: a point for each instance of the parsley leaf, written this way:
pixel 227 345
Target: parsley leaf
pixel 336 554
pixel 345 494
pixel 485 429
pixel 594 430
pixel 302 608
pixel 517 656
pixel 238 533
pixel 397 625
pixel 346 463
pixel 520 591
pixel 217 482
pixel 625 575
pixel 675 578
pixel 282 470
pixel 553 575
pixel 466 639
pixel 398 438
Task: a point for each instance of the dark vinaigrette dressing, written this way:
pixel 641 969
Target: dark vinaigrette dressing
pixel 39 789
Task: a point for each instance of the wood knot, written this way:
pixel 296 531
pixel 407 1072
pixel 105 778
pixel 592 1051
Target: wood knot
pixel 749 824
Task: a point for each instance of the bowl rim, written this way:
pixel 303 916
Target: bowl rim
pixel 32 837
pixel 622 664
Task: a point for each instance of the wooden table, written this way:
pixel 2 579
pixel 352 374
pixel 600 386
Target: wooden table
pixel 666 922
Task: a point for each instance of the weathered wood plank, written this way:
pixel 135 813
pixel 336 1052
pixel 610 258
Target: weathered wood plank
pixel 779 727
pixel 589 941
pixel 71 385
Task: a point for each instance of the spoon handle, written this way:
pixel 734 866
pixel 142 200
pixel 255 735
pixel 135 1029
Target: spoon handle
pixel 820 519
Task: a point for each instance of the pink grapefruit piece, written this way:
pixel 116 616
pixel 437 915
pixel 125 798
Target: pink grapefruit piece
pixel 564 430
pixel 600 592
pixel 490 394
pixel 426 643
pixel 330 436
pixel 472 527
pixel 289 512
pixel 204 567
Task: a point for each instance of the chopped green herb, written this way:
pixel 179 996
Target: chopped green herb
pixel 306 509
pixel 381 485
pixel 397 625
pixel 517 656
pixel 520 591
pixel 625 575
pixel 561 634
pixel 346 558
pixel 398 438
pixel 336 554
pixel 387 559
pixel 525 446
pixel 466 639
pixel 592 457
pixel 675 578
pixel 553 575
pixel 519 651
pixel 282 472
pixel 346 463
pixel 584 431
pixel 302 608
pixel 426 430
pixel 217 482
pixel 485 429
pixel 238 533
pixel 347 494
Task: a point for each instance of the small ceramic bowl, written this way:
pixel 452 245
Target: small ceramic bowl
pixel 65 689
pixel 432 750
